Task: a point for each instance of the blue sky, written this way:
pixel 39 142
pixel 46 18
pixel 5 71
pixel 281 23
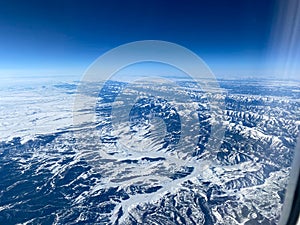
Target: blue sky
pixel 64 37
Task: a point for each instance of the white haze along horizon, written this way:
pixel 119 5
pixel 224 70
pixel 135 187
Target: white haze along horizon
pixel 38 104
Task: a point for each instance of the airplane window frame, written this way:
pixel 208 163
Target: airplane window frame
pixel 291 207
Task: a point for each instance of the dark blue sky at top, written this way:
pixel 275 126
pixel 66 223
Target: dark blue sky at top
pixel 64 37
